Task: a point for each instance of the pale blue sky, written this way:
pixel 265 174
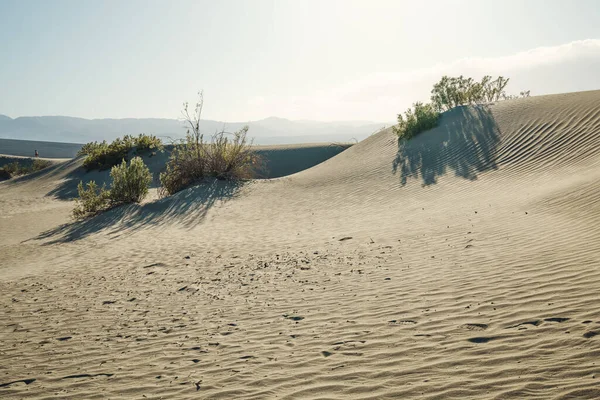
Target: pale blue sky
pixel 323 60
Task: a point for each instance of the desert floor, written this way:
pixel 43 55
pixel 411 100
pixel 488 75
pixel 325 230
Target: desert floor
pixel 464 263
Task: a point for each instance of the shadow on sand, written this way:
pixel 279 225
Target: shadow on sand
pixel 465 141
pixel 187 208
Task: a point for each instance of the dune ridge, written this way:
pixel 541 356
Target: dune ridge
pixel 464 263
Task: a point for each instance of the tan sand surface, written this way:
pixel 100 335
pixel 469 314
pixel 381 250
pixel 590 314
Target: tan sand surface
pixel 462 264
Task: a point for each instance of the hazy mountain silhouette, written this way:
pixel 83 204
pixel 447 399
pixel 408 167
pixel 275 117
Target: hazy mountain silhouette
pixel 271 130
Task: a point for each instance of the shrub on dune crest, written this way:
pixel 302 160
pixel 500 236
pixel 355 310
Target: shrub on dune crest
pixel 448 93
pixel 227 156
pixel 452 92
pixel 423 118
pixel 4 174
pixel 39 165
pixel 17 169
pixel 231 157
pixel 130 184
pixel 11 169
pixel 103 155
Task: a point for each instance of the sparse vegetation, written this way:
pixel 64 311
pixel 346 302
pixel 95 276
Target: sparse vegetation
pixel 4 174
pixel 130 183
pixel 39 165
pixel 448 93
pixel 17 168
pixel 452 92
pixel 91 201
pixel 91 147
pixel 423 118
pixel 103 155
pixel 227 156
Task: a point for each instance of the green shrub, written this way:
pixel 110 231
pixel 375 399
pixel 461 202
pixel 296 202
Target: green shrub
pixel 452 92
pixel 91 201
pixel 129 182
pixel 39 165
pixel 423 118
pixel 12 169
pixel 446 94
pixel 185 167
pixel 17 169
pixel 228 156
pixel 103 155
pixel 147 143
pixel 4 174
pixel 90 148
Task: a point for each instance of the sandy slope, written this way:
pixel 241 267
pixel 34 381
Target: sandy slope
pixel 464 264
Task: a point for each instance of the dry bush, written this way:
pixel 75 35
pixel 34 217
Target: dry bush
pixel 228 156
pixel 231 157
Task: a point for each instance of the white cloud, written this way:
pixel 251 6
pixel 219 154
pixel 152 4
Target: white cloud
pixel 379 97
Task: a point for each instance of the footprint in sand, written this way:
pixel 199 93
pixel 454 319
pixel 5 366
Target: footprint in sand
pixel 522 325
pixel 25 381
pixel 293 317
pixel 556 319
pixel 475 327
pixel 483 339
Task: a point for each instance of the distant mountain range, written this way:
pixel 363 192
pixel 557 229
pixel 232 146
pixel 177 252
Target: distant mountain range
pixel 271 130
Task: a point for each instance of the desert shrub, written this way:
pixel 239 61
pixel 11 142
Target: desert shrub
pixel 452 92
pixel 423 118
pixel 448 93
pixel 11 169
pixel 39 165
pixel 147 143
pixel 17 169
pixel 4 174
pixel 103 155
pixel 185 167
pixel 91 201
pixel 129 182
pixel 227 156
pixel 521 95
pixel 91 147
pixel 231 156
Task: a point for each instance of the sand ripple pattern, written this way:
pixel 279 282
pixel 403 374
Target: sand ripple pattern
pixel 463 264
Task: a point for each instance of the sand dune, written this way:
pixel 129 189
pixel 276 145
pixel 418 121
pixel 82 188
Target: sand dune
pixel 26 148
pixel 464 263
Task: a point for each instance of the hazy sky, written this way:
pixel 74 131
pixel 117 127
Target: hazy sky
pixel 322 60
